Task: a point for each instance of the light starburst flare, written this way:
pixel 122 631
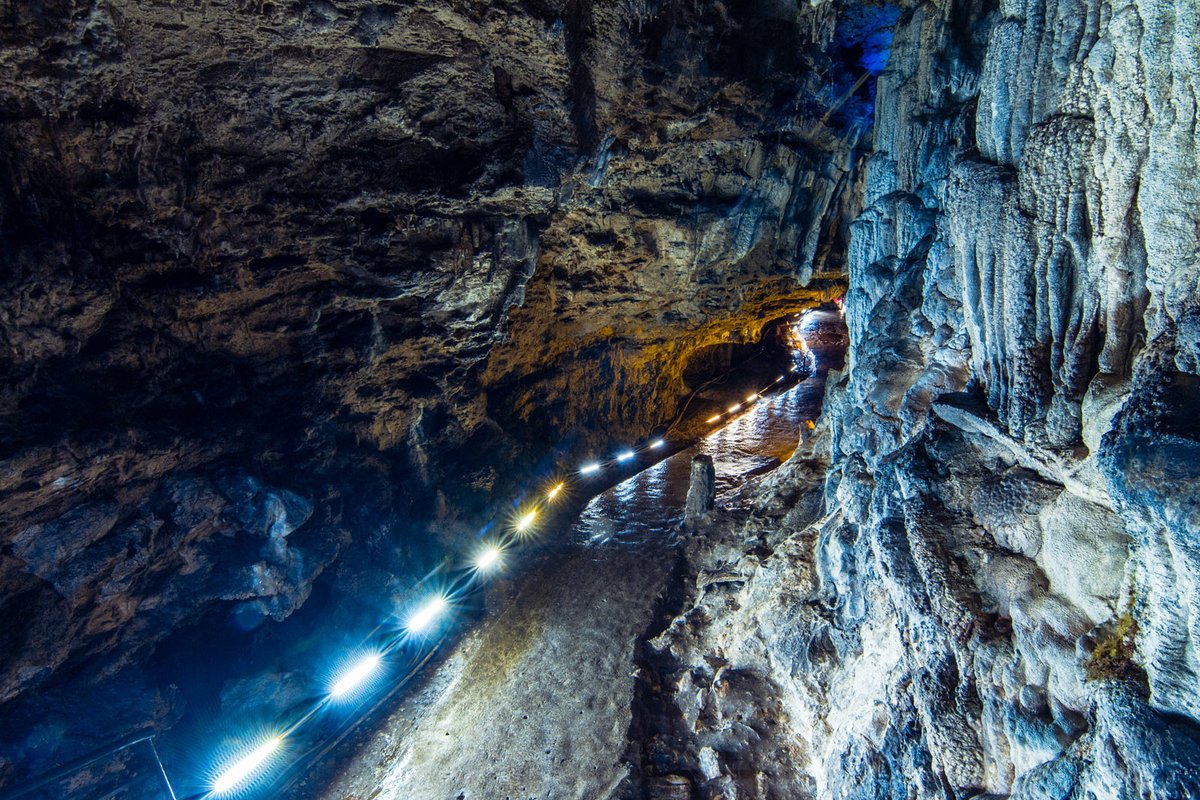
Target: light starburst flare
pixel 352 678
pixel 236 774
pixel 487 558
pixel 420 620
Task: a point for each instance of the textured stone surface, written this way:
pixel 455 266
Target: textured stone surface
pixel 1004 588
pixel 702 490
pixel 250 247
pixel 377 257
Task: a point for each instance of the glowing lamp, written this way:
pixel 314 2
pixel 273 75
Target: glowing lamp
pixel 752 398
pixel 488 557
pixel 628 454
pixel 588 469
pixel 777 380
pixel 794 368
pixel 553 493
pixel 657 443
pixel 734 407
pixel 525 522
pixel 237 773
pixel 354 676
pixel 425 615
pixel 713 418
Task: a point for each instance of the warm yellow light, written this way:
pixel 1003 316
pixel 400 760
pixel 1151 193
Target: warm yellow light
pixel 734 407
pixel 426 614
pixel 241 769
pixel 526 521
pixel 752 398
pixel 553 493
pixel 713 418
pixel 356 675
pixel 487 558
pixel 777 380
pixel 657 443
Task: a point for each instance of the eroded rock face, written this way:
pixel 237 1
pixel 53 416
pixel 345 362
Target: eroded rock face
pixel 277 280
pixel 1046 271
pixel 999 599
pixel 366 256
pixel 702 490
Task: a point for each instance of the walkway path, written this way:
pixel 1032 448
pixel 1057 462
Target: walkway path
pixel 536 701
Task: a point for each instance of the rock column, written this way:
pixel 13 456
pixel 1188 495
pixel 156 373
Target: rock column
pixel 702 491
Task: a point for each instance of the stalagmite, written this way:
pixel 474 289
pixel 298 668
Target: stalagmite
pixel 702 490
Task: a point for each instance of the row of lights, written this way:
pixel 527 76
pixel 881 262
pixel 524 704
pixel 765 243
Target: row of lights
pixel 749 401
pixel 237 775
pixel 593 467
pixel 489 558
pixel 622 457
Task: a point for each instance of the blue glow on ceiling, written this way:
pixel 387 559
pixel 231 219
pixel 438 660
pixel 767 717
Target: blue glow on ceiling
pixel 864 33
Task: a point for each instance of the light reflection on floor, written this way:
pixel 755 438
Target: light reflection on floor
pixel 650 503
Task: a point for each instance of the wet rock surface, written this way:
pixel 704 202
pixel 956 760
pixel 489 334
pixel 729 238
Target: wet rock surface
pixel 536 702
pixel 370 256
pixel 558 691
pixel 702 490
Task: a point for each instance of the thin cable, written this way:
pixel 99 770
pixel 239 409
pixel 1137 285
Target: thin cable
pixel 72 767
pixel 723 376
pixel 161 769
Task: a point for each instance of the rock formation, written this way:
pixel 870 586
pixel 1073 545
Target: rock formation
pixel 702 490
pixel 287 290
pixel 295 296
pixel 998 599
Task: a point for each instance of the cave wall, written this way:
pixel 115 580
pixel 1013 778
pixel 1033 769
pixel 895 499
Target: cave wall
pixel 274 274
pixel 999 596
pixel 698 219
pixel 287 288
pixel 1040 220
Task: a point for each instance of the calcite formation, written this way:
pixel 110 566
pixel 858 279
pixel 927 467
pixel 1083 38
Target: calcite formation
pixel 999 597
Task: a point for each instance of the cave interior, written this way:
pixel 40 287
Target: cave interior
pixel 600 399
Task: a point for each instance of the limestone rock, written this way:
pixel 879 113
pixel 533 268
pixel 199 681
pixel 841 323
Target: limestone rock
pixel 380 262
pixel 702 490
pixel 283 285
